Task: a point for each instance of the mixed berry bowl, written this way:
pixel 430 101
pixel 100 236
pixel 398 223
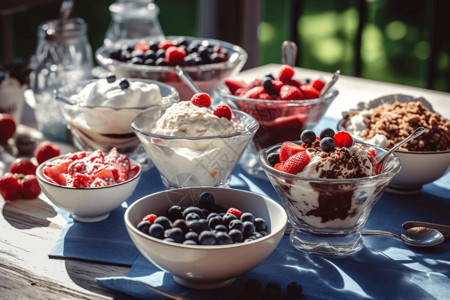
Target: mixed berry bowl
pixel 206 61
pixel 206 266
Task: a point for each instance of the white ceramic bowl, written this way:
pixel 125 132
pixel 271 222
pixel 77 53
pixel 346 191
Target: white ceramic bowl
pixel 418 167
pixel 88 204
pixel 206 267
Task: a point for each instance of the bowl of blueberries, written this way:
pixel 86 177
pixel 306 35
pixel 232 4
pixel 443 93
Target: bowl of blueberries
pixel 205 236
pixel 206 61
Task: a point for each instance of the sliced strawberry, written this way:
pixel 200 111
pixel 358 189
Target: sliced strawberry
pixel 201 100
pixel 241 92
pixel 286 73
pixel 77 166
pixel 96 157
pixel 254 92
pixel 264 96
pixel 277 85
pixel 278 166
pixel 296 163
pixel 235 211
pixel 255 82
pixel 142 46
pixel 289 92
pixel 223 111
pixel 309 91
pixel 343 139
pixel 175 55
pixel 288 149
pixel 55 171
pixel 318 84
pixel 79 180
pixel 122 162
pixel 107 175
pixel 292 82
pixel 98 183
pixel 234 84
pixel 165 44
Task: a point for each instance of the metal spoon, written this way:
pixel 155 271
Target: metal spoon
pixel 413 135
pixel 288 53
pixel 187 79
pixel 330 84
pixel 414 236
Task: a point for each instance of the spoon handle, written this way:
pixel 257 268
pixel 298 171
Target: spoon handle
pixel 288 53
pixel 444 229
pixel 330 83
pixel 187 79
pixel 380 232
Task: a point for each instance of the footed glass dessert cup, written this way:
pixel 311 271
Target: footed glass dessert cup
pixel 328 214
pixel 194 161
pixel 279 121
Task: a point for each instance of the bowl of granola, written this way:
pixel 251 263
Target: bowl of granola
pixel 385 121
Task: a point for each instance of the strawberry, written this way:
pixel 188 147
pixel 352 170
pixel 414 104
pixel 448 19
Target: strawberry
pixel 165 44
pixel 264 96
pixel 98 183
pixel 107 175
pixel 277 85
pixel 223 110
pixel 254 92
pixel 234 84
pixel 54 173
pixel 175 55
pixel 286 73
pixel 288 149
pixel 23 166
pixel 318 84
pixel 240 92
pixel 296 163
pixel 343 139
pixel 29 187
pixel 278 166
pixel 9 186
pixel 142 46
pixel 45 151
pixel 201 100
pixel 119 164
pixel 289 92
pixel 235 211
pixel 7 128
pixel 255 82
pixel 79 180
pixel 151 218
pixel 309 91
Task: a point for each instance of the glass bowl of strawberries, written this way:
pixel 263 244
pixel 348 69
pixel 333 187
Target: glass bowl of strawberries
pixel 282 104
pixel 206 61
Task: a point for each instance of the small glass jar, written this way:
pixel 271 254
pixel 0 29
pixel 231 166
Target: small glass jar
pixel 63 57
pixel 133 20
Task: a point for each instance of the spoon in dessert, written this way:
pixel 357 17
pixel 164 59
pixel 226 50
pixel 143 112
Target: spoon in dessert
pixel 414 236
pixel 413 135
pixel 187 79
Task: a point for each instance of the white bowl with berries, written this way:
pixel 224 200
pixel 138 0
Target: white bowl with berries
pixel 206 236
pixel 206 61
pixel 89 185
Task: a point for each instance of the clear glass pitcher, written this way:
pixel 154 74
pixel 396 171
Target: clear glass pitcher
pixel 63 56
pixel 133 19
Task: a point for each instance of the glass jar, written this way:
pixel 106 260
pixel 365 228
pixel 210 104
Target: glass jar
pixel 63 57
pixel 133 19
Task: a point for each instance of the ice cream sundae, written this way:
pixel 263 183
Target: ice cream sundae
pixel 194 144
pixel 328 185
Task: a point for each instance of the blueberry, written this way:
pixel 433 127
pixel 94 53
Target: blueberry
pixel 307 81
pixel 192 216
pixel 189 60
pixel 161 62
pixel 267 84
pixel 308 136
pixel 124 84
pixel 236 224
pixel 136 61
pixel 111 78
pixel 273 158
pixel 211 215
pixel 174 212
pixel 206 200
pixel 269 75
pixel 217 208
pixel 143 226
pixel 203 52
pixel 327 144
pixel 181 42
pixel 263 233
pixel 164 221
pixel 257 235
pixel 221 227
pixel 190 242
pixel 205 212
pixel 236 235
pixel 249 229
pixel 125 55
pixel 137 53
pixel 154 45
pixel 149 62
pixel 214 221
pixel 170 240
pixel 150 54
pixel 193 209
pixel 180 223
pixel 247 217
pixel 327 132
pixel 223 238
pixel 175 233
pixel 260 225
pixel 227 218
pixel 156 230
pixel 207 238
pixel 198 225
pixel 161 53
pixel 294 289
pixel 115 54
pixel 215 58
pixel 191 235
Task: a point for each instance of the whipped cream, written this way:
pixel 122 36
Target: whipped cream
pixel 111 94
pixel 358 123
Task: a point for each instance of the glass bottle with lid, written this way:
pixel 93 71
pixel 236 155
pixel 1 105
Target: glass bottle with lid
pixel 63 56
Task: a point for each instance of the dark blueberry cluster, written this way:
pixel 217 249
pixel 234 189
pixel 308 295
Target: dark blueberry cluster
pixel 253 289
pixel 197 53
pixel 327 143
pixel 206 223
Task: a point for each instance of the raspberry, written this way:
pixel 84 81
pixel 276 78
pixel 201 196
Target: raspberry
pixel 296 163
pixel 45 151
pixel 343 139
pixel 29 187
pixel 289 92
pixel 223 110
pixel 142 46
pixel 9 186
pixel 234 211
pixel 150 218
pixel 288 149
pixel 318 84
pixel 286 73
pixel 201 100
pixel 23 166
pixel 165 44
pixel 175 55
pixel 309 91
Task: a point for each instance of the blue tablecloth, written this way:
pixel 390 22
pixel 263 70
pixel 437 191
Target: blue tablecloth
pixel 384 268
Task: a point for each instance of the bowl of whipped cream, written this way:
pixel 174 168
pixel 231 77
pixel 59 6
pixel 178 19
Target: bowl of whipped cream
pixel 99 112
